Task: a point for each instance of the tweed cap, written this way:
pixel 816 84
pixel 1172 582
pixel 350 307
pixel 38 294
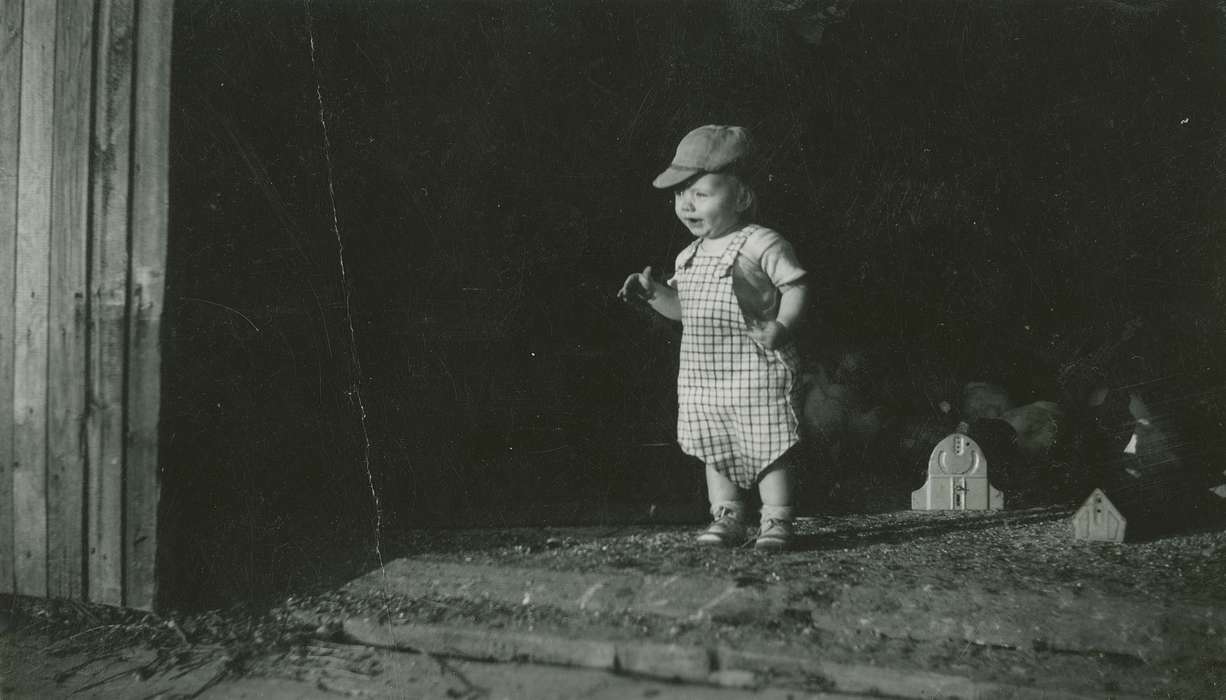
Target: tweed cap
pixel 707 149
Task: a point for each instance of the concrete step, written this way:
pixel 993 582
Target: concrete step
pixel 731 636
pixel 907 604
pixel 1068 620
pixel 712 665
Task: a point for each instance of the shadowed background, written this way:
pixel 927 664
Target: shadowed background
pixel 397 229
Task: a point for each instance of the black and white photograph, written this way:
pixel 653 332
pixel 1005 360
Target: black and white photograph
pixel 602 349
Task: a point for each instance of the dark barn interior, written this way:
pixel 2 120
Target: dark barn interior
pixel 397 229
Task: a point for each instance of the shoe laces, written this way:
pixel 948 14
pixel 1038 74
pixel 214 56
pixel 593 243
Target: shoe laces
pixel 774 524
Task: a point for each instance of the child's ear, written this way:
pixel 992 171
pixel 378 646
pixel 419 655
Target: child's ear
pixel 744 199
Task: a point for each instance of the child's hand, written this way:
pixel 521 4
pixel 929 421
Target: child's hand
pixel 769 334
pixel 638 287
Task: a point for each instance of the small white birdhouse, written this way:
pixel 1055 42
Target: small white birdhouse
pixel 957 478
pixel 1098 520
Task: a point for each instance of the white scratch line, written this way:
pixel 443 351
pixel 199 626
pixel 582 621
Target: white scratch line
pixel 587 595
pixel 701 612
pixel 356 364
pixel 670 581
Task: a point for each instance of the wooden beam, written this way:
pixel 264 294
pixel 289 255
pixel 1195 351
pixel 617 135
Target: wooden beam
pixel 68 294
pixel 10 88
pixel 150 193
pixel 110 181
pixel 33 257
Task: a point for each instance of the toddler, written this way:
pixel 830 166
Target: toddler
pixel 739 292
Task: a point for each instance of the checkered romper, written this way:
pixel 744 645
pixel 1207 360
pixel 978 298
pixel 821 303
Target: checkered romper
pixel 737 401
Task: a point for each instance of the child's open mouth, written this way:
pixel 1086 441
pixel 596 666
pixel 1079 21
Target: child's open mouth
pixel 693 222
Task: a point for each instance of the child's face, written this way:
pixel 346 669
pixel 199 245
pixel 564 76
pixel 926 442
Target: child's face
pixel 711 206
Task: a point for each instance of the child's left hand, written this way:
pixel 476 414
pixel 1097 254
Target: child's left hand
pixel 769 334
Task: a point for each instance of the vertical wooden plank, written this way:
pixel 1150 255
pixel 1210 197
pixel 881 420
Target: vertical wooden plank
pixel 66 345
pixel 150 192
pixel 30 357
pixel 10 97
pixel 108 301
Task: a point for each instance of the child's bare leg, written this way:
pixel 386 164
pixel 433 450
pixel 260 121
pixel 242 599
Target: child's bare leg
pixel 721 489
pixel 727 509
pixel 775 488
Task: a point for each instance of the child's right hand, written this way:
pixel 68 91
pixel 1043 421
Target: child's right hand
pixel 638 287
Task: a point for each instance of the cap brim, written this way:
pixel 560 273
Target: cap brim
pixel 673 176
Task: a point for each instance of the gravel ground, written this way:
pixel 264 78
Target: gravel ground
pixel 1029 550
pixel 1014 555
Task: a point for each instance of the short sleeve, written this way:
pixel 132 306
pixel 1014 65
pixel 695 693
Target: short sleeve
pixel 778 259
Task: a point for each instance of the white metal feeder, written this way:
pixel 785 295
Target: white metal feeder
pixel 957 478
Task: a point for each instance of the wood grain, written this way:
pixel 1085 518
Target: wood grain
pixel 150 192
pixel 30 352
pixel 110 182
pixel 10 94
pixel 67 376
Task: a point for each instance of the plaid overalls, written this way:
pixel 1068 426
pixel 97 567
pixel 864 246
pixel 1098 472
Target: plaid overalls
pixel 737 402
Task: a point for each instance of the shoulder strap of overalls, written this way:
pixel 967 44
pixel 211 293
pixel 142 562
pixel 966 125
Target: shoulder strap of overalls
pixel 687 256
pixel 734 249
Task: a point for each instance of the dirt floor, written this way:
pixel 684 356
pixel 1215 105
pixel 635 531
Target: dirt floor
pixel 328 670
pixel 1006 597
